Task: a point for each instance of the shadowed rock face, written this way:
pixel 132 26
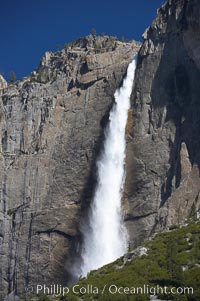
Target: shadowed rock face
pixel 51 126
pixel 163 152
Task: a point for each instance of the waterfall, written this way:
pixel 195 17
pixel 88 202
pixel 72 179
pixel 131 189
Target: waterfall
pixel 105 238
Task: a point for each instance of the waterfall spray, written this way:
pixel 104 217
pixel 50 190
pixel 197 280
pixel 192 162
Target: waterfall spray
pixel 106 238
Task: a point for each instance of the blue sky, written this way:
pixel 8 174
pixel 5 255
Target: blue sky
pixel 31 27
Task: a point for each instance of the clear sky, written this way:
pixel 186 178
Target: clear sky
pixel 31 27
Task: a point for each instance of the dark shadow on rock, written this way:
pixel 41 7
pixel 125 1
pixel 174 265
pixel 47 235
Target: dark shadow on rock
pixel 176 86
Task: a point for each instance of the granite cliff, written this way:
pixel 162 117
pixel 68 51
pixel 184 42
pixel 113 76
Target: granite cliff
pixel 51 128
pixel 163 145
pixel 3 83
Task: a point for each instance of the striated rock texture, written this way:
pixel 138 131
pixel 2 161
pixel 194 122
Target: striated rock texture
pixel 51 126
pixel 163 151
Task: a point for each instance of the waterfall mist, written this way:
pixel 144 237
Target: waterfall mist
pixel 105 238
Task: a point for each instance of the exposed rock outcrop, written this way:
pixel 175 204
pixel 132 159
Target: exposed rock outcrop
pixel 3 82
pixel 163 152
pixel 51 125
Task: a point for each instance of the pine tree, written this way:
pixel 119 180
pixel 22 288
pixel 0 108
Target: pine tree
pixel 174 267
pixel 58 47
pixel 94 32
pixel 12 77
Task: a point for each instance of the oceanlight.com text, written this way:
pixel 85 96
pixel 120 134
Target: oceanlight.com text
pixel 112 289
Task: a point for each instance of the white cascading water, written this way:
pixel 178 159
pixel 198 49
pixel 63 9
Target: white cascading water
pixel 106 238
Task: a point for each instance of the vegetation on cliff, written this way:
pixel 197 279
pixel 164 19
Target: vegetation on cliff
pixel 172 260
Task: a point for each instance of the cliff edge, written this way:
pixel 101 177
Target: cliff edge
pixel 163 145
pixel 51 126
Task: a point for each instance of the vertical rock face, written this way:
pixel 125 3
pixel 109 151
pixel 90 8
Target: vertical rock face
pixel 163 152
pixel 51 125
pixel 3 82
